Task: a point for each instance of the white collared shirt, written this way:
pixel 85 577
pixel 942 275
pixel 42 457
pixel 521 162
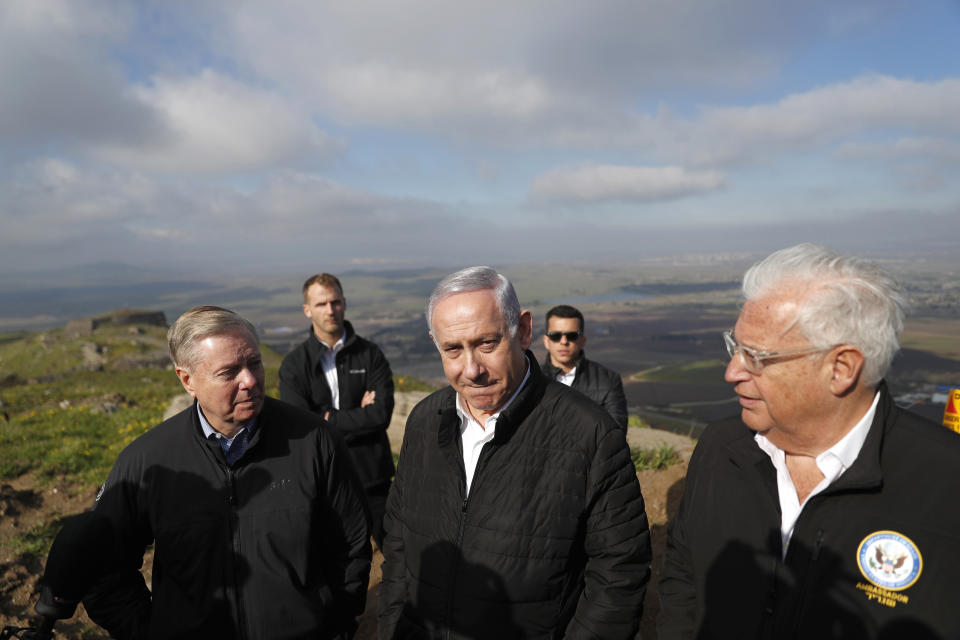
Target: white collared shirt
pixel 567 378
pixel 329 362
pixel 473 436
pixel 832 463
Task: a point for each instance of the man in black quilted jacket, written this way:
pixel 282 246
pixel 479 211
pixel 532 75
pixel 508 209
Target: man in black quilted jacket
pixel 567 362
pixel 516 510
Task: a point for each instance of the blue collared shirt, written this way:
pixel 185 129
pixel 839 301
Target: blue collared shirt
pixel 226 444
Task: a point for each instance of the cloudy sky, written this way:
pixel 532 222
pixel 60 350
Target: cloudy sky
pixel 250 135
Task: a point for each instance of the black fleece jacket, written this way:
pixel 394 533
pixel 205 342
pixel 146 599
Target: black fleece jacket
pixel 723 576
pixel 597 382
pixel 275 546
pixel 361 366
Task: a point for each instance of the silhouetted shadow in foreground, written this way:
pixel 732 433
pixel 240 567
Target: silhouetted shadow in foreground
pixel 790 609
pixel 483 591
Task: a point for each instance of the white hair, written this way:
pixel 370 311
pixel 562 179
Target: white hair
pixel 851 301
pixel 478 279
pixel 198 323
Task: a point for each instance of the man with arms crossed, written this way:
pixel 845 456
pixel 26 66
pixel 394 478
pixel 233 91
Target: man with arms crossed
pixel 348 381
pixel 567 362
pixel 824 510
pixel 516 510
pixel 253 508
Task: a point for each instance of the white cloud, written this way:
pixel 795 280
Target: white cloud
pixel 50 201
pixel 532 75
pixel 69 69
pixel 151 109
pixel 383 94
pixel 501 69
pixel 605 183
pixel 814 118
pixel 57 213
pixel 946 150
pixel 65 18
pixel 217 124
pixel 59 84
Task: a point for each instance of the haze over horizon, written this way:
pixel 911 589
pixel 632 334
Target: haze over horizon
pixel 249 136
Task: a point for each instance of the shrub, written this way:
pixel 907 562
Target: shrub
pixel 659 458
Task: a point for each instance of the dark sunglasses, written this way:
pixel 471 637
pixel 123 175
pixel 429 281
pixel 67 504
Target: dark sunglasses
pixel 556 335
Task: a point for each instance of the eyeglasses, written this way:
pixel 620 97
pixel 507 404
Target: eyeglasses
pixel 753 360
pixel 556 335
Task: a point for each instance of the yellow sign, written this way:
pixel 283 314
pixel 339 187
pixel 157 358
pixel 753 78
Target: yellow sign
pixel 951 413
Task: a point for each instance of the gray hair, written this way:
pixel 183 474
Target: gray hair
pixel 198 323
pixel 478 279
pixel 851 301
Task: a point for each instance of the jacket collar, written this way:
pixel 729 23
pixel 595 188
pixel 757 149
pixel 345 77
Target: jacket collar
pixel 255 436
pixel 511 418
pixel 525 402
pixel 865 473
pixel 551 372
pixel 317 348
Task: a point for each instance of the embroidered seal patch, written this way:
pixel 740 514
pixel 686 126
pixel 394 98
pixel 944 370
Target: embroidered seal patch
pixel 889 560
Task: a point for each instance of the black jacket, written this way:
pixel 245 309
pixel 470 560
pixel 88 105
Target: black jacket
pixel 723 575
pixel 275 546
pixel 552 542
pixel 361 366
pixel 597 382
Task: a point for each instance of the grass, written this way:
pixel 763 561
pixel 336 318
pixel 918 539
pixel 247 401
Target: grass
pixel 703 371
pixel 76 442
pixel 637 421
pixel 57 427
pixel 656 459
pixel 409 383
pixel 36 542
pixel 51 353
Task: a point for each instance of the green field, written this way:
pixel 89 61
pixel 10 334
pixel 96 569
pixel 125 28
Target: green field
pixel 936 335
pixel 703 371
pixel 67 417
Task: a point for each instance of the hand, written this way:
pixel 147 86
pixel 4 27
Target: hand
pixel 326 416
pixel 368 398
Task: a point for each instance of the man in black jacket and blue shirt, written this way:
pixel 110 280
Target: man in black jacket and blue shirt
pixel 256 517
pixel 516 511
pixel 567 362
pixel 823 511
pixel 347 380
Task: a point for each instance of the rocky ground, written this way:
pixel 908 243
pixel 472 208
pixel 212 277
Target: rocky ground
pixel 23 507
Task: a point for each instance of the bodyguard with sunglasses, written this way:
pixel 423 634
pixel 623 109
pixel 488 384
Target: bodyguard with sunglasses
pixel 823 510
pixel 566 362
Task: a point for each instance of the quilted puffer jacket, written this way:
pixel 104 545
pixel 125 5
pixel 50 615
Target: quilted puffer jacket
pixel 602 385
pixel 551 542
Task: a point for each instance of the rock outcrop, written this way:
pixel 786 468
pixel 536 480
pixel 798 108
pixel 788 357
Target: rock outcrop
pixel 121 318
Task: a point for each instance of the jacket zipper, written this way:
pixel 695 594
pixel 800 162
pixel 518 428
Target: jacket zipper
pixel 453 577
pixel 808 576
pixel 235 537
pixel 460 528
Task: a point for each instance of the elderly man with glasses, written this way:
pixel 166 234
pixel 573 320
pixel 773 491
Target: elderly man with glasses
pixel 823 510
pixel 567 362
